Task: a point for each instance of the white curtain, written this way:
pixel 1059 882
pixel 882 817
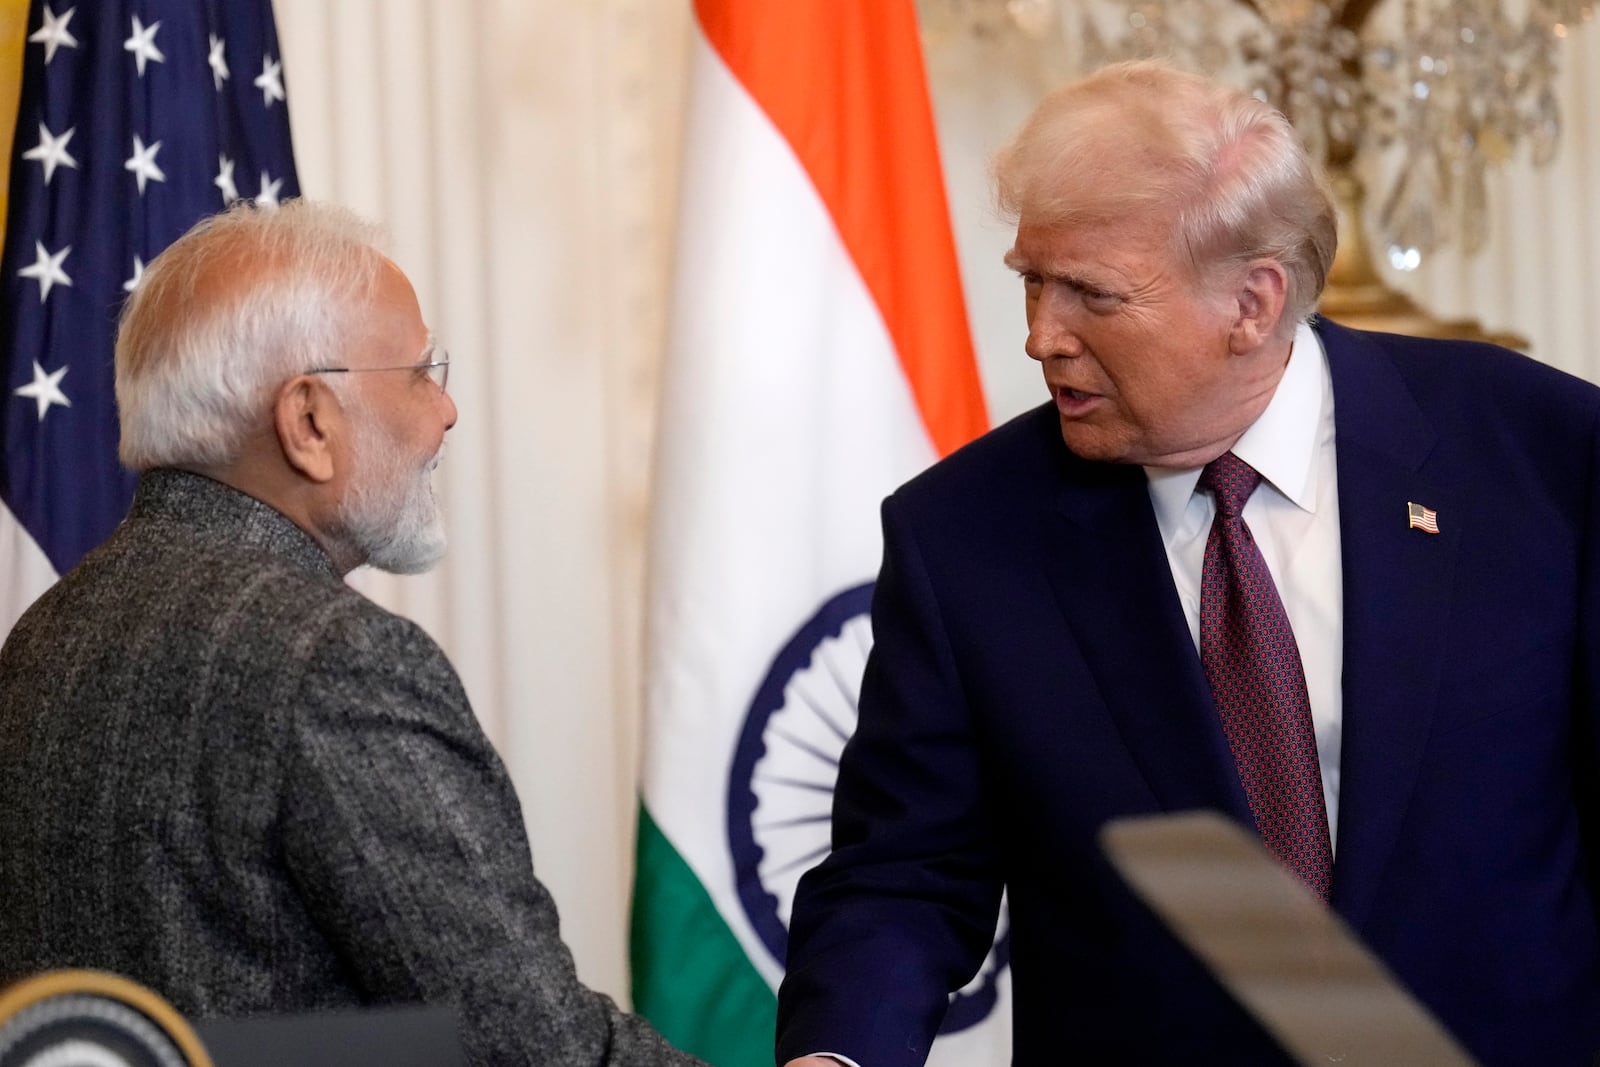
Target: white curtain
pixel 523 155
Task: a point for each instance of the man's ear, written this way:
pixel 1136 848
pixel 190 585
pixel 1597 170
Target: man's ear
pixel 305 416
pixel 1259 301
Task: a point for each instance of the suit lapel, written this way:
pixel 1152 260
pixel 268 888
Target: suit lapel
pixel 1110 576
pixel 1396 596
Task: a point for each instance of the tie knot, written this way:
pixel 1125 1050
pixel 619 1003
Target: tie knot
pixel 1231 480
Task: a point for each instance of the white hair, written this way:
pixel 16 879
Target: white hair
pixel 235 307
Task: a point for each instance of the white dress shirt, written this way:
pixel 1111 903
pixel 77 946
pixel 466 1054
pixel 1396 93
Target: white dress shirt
pixel 1294 517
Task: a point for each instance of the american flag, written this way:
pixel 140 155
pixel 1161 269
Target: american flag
pixel 136 118
pixel 1422 518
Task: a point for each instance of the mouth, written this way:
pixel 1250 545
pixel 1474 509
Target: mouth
pixel 1073 402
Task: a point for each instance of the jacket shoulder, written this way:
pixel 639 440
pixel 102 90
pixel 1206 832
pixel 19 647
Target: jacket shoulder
pixel 1465 375
pixel 1010 458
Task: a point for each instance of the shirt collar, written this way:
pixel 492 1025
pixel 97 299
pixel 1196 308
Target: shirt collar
pixel 1281 444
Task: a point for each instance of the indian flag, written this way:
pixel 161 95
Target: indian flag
pixel 819 356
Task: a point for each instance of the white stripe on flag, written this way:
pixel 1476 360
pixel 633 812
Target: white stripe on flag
pixel 786 419
pixel 25 573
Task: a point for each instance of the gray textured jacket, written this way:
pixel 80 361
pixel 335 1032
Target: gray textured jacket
pixel 228 776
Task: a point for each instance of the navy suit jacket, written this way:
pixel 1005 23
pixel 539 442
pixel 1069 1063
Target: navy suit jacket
pixel 1033 676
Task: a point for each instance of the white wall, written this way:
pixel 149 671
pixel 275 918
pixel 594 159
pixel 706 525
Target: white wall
pixel 523 154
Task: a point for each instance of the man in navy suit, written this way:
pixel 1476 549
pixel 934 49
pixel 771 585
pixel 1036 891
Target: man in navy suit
pixel 1047 642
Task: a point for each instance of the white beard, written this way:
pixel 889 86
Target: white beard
pixel 389 515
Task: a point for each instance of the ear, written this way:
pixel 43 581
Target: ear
pixel 1260 297
pixel 306 416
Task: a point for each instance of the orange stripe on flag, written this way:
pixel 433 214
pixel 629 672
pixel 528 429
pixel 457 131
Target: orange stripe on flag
pixel 843 81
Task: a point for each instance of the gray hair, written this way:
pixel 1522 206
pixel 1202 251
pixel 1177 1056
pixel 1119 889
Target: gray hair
pixel 235 307
pixel 1143 138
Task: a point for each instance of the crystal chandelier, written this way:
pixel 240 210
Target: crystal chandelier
pixel 1429 101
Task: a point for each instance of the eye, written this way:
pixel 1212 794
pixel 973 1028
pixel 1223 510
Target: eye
pixel 1098 300
pixel 1031 282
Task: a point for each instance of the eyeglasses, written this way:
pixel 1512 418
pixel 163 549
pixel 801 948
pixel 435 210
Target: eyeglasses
pixel 437 370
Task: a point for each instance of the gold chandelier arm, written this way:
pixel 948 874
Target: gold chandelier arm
pixel 1354 14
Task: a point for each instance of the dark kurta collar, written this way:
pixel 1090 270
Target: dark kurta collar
pixel 211 510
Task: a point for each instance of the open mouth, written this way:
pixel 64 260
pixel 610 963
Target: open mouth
pixel 1075 403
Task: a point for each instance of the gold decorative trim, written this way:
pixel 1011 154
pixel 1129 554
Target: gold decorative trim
pixel 14 998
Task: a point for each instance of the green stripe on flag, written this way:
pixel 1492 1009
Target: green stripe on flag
pixel 691 978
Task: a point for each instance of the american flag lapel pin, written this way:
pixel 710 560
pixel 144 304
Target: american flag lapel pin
pixel 1421 518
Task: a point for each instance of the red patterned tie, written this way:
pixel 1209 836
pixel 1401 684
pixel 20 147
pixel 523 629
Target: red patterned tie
pixel 1253 664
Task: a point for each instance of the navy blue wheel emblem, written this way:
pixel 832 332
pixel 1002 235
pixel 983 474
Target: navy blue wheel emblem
pixel 780 790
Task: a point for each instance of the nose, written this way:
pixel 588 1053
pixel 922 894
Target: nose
pixel 449 409
pixel 1050 327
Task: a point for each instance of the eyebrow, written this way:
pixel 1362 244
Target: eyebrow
pixel 1020 263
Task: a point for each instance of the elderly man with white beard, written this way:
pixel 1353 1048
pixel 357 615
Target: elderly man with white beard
pixel 224 773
